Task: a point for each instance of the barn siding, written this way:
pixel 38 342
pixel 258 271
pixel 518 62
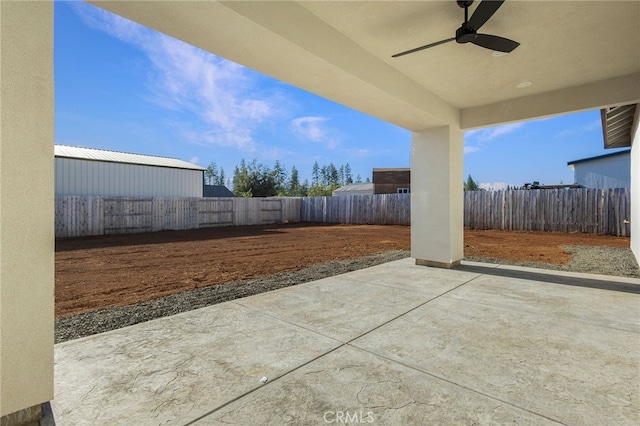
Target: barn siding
pixel 86 177
pixel 610 172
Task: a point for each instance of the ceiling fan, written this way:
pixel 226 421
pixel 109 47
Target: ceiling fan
pixel 467 33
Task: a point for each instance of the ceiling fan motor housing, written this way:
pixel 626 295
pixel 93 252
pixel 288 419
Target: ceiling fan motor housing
pixel 465 34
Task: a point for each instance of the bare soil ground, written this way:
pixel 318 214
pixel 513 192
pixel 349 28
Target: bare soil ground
pixel 544 247
pixel 118 270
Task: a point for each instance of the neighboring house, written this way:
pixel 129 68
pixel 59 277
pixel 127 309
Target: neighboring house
pixel 85 171
pixel 354 189
pixel 392 181
pixel 216 191
pixel 603 171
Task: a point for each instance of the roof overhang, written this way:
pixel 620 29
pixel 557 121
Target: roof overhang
pixel 579 55
pixel 618 125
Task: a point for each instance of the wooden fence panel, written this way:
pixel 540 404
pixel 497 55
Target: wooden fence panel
pixel 383 209
pixel 127 215
pixel 291 209
pixel 79 216
pixel 215 212
pixel 271 211
pixel 599 211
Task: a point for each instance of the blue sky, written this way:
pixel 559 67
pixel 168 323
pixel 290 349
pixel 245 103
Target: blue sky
pixel 124 87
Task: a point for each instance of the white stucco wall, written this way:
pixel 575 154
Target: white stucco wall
pixel 635 190
pixel 26 205
pixel 609 172
pixel 82 177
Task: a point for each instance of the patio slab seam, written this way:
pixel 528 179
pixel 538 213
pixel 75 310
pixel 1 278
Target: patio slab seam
pixel 270 315
pixel 412 309
pixel 269 382
pixel 505 308
pixel 435 376
pixel 398 287
pixel 429 300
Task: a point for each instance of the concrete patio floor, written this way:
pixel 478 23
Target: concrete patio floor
pixel 395 344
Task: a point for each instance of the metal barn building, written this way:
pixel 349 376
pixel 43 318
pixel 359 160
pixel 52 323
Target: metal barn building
pixel 604 171
pixel 85 171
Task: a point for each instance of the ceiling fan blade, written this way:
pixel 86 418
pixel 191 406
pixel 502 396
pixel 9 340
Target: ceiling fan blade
pixel 417 49
pixel 492 42
pixel 483 12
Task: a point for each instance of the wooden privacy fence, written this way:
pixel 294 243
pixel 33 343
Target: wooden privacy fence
pixel 590 210
pixel 596 211
pixel 382 209
pixel 77 216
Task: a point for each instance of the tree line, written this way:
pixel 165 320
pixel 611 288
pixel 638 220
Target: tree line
pixel 253 179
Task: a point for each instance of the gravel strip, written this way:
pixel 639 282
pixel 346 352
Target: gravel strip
pixel 587 259
pixel 595 260
pixel 102 320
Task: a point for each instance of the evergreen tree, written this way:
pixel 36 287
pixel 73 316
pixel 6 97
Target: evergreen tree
pixel 294 181
pixel 348 179
pixel 471 185
pixel 333 177
pixel 280 177
pixel 324 176
pixel 294 188
pixel 211 175
pixel 208 175
pixel 358 179
pixel 315 174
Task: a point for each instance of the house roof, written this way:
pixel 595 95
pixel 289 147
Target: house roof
pixel 598 157
pixel 79 153
pixel 216 191
pixel 361 187
pixel 393 169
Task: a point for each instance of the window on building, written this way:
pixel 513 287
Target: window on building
pixel 403 190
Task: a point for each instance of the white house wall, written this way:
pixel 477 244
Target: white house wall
pixel 610 172
pixel 635 190
pixel 82 177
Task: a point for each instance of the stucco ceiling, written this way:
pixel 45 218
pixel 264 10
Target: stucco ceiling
pixel 577 54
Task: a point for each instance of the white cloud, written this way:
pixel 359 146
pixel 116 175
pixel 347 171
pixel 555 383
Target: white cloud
pixel 357 152
pixel 578 130
pixel 495 186
pixel 184 78
pixel 594 125
pixel 315 129
pixel 311 128
pixel 470 149
pixel 194 160
pixel 492 133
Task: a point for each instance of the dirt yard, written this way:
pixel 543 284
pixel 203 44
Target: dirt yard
pixel 117 270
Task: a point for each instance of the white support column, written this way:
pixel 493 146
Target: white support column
pixel 26 208
pixel 437 220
